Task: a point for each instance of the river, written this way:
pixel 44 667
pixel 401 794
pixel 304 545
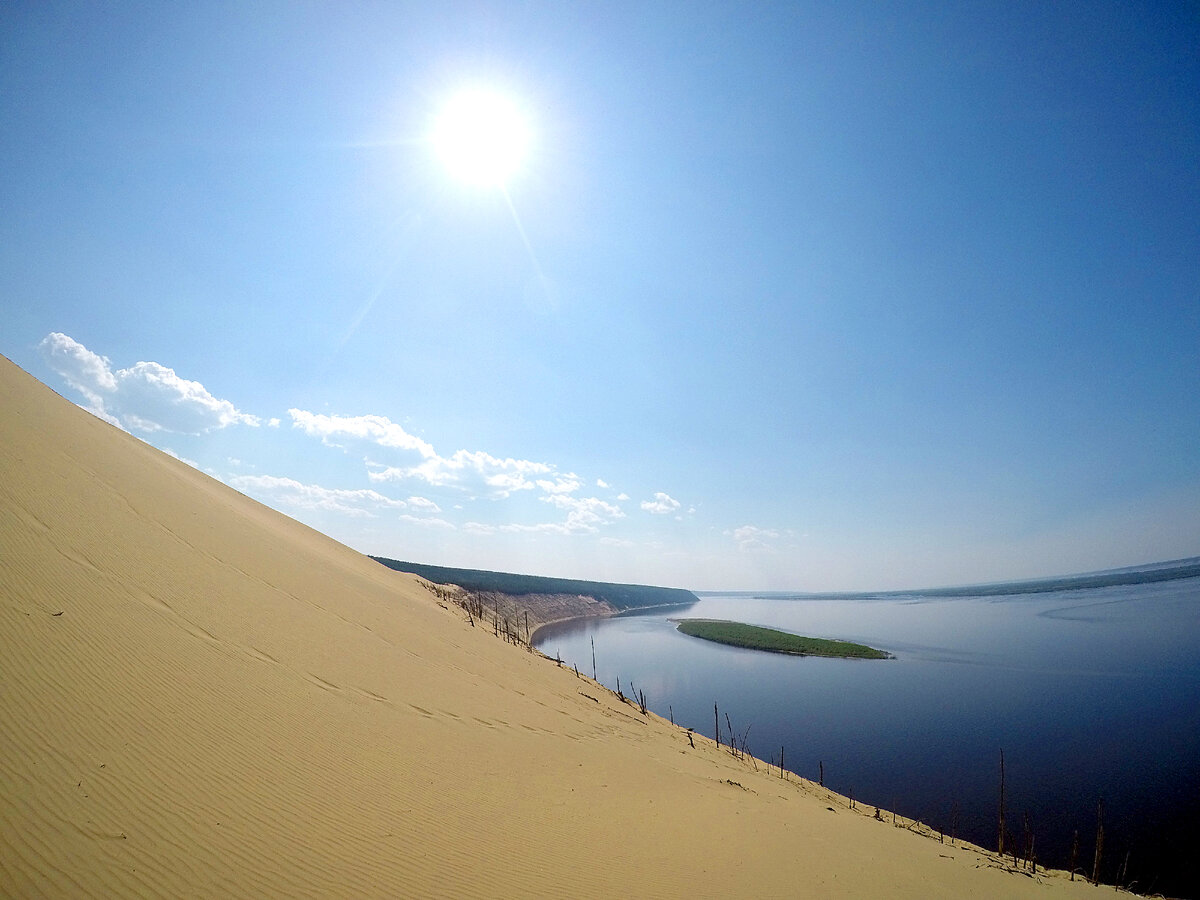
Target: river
pixel 1092 694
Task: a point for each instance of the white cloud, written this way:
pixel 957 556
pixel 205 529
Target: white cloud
pixel 376 429
pixel 479 473
pixel 147 396
pixel 427 522
pixel 154 398
pixel 751 537
pixel 661 505
pixel 563 484
pixel 622 496
pixel 424 504
pixel 616 542
pixel 289 492
pixel 537 528
pixel 474 472
pixel 584 514
pixel 87 372
pixel 601 483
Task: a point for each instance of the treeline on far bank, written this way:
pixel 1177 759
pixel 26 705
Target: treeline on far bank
pixel 620 596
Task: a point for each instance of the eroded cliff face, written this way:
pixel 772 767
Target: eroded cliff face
pixel 522 614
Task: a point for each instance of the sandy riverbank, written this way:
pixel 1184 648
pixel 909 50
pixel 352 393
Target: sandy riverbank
pixel 201 697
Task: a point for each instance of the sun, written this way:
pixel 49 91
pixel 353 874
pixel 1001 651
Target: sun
pixel 481 136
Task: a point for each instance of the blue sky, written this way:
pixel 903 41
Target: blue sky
pixel 824 296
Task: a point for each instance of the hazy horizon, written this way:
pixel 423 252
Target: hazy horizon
pixel 823 297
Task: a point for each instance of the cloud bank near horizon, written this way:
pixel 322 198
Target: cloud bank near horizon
pixel 487 496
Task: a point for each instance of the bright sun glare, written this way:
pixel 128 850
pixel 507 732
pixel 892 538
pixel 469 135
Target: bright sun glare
pixel 481 137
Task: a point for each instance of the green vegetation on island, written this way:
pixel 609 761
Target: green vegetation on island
pixel 620 596
pixel 755 637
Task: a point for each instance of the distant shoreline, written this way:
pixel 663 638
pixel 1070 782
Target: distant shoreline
pixel 1150 573
pixel 534 637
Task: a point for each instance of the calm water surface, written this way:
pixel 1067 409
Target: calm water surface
pixel 1090 693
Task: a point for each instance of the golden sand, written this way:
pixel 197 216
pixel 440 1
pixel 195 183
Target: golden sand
pixel 200 697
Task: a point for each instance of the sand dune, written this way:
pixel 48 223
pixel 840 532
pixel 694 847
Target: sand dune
pixel 200 697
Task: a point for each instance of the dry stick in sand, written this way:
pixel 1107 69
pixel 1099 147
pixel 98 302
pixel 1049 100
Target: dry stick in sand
pixel 1074 853
pixel 717 725
pixel 1000 839
pixel 1028 839
pixel 594 678
pixel 1099 841
pixel 821 777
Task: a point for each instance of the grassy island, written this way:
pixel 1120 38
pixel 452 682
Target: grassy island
pixel 755 637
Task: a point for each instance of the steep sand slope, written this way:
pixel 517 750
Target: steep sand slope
pixel 202 697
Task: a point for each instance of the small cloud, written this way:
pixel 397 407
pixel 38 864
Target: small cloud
pixel 562 484
pixel 424 504
pixel 289 492
pixel 661 505
pixel 600 483
pixel 616 542
pixel 751 537
pixel 273 423
pixel 537 528
pixel 584 514
pixel 87 372
pixel 475 472
pixel 153 397
pixel 480 473
pixel 622 496
pixel 375 429
pixel 426 522
pixel 147 396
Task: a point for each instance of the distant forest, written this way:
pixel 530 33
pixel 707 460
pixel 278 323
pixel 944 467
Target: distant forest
pixel 621 596
pixel 1172 571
